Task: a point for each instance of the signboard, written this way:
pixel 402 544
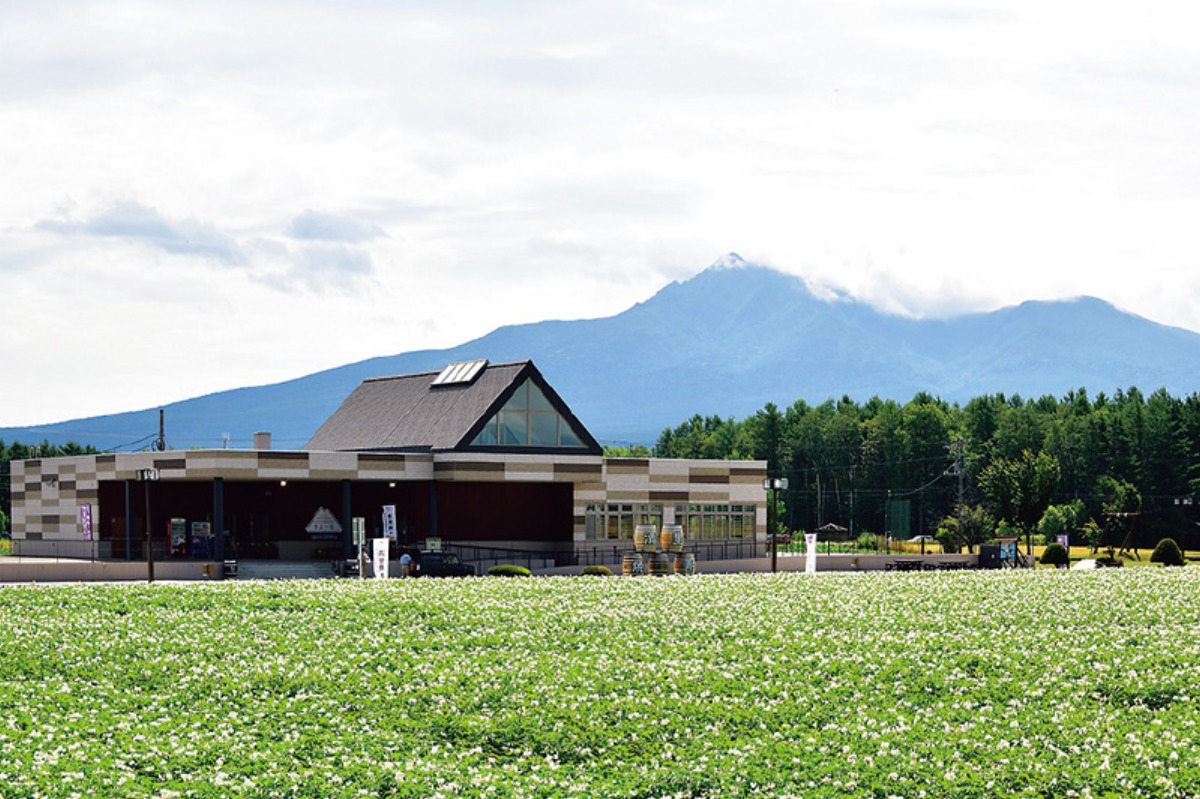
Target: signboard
pixel 379 555
pixel 389 522
pixel 324 526
pixel 358 527
pixel 85 520
pixel 810 557
pixel 1064 540
pixel 433 544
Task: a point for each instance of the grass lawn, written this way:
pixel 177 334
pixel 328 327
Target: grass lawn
pixel 966 684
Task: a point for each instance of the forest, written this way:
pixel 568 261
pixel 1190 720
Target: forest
pixel 1107 470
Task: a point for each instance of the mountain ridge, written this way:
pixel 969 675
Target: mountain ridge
pixel 725 342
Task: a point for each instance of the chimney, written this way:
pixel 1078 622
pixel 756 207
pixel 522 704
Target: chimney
pixel 262 440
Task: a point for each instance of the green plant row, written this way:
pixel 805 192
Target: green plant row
pixel 974 684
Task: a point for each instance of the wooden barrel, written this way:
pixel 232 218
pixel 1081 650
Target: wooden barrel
pixel 685 562
pixel 672 538
pixel 660 564
pixel 644 539
pixel 632 564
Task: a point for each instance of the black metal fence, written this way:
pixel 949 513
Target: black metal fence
pixel 484 557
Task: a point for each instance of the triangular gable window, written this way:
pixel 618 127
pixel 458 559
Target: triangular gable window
pixel 528 419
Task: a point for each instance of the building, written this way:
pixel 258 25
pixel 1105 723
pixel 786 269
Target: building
pixel 486 458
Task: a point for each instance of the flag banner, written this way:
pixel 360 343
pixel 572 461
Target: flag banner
pixel 389 522
pixel 379 555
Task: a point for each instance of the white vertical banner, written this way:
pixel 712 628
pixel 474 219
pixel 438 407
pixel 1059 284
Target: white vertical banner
pixel 379 555
pixel 389 522
pixel 85 520
pixel 810 557
pixel 1065 540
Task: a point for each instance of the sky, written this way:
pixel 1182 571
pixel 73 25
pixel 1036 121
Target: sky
pixel 197 196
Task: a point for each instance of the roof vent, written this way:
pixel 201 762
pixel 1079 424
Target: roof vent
pixel 460 374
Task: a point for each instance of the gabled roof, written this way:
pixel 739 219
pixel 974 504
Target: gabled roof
pixel 410 413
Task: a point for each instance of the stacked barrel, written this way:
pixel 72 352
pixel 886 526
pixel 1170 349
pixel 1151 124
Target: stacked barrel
pixel 658 553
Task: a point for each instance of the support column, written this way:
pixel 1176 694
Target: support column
pixel 128 520
pixel 433 505
pixel 219 518
pixel 347 523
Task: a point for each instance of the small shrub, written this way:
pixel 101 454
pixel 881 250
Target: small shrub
pixel 868 541
pixel 1167 553
pixel 1056 555
pixel 597 571
pixel 509 570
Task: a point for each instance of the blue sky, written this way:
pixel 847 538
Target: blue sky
pixel 205 195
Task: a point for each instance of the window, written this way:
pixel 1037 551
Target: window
pixel 615 521
pixel 716 522
pixel 528 419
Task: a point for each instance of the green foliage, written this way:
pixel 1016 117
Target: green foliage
pixel 4 531
pixel 542 688
pixel 1021 489
pixel 634 451
pixel 508 570
pixel 977 526
pixel 868 542
pixel 1167 553
pixel 596 571
pixel 842 457
pixel 1061 520
pixel 1093 535
pixel 1056 555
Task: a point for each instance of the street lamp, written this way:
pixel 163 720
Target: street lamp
pixel 145 476
pixel 771 485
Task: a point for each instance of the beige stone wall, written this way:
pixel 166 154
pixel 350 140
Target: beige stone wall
pixel 47 493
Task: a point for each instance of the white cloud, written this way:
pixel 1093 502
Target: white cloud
pixel 133 221
pixel 426 172
pixel 324 226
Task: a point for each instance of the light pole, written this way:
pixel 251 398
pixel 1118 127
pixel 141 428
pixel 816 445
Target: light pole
pixel 771 485
pixel 145 477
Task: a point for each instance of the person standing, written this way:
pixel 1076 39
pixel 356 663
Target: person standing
pixel 405 564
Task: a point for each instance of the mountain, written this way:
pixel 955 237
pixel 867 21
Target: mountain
pixel 725 342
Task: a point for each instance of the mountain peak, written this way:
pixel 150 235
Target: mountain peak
pixel 730 260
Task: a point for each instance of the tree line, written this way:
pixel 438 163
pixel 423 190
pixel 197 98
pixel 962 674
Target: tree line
pixel 1122 466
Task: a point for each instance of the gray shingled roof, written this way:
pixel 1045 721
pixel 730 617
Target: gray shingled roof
pixel 408 413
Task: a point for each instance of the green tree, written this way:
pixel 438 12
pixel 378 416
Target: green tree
pixel 1167 553
pixel 1056 555
pixel 977 526
pixel 1062 520
pixel 1021 489
pixel 1121 504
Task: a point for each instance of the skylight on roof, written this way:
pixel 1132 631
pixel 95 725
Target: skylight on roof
pixel 459 374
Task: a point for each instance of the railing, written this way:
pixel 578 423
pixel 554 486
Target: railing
pixel 484 557
pixel 92 551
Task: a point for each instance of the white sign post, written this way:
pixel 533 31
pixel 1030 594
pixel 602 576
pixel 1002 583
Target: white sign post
pixel 379 553
pixel 389 522
pixel 810 559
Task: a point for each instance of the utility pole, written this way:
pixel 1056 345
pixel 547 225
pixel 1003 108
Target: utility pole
pixel 959 467
pixel 160 444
